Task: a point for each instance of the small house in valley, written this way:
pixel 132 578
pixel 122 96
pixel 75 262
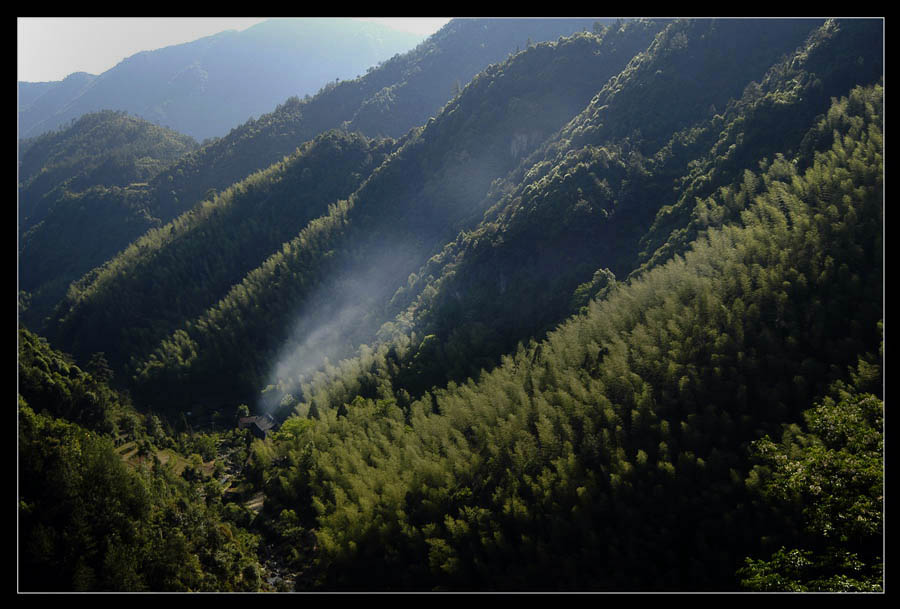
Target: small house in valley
pixel 259 426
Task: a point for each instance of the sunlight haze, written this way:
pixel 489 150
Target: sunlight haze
pixel 51 48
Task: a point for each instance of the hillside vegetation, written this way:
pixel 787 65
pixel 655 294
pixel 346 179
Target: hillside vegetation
pixel 83 197
pixel 609 317
pixel 421 82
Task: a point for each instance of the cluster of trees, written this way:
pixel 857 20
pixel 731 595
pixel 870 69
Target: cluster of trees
pixel 617 454
pixel 102 506
pixel 82 197
pixel 584 204
pixel 400 214
pixel 180 269
pixel 829 479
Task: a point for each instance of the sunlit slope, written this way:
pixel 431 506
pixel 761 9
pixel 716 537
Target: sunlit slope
pixel 391 98
pixel 82 197
pixel 176 271
pixel 611 320
pixel 616 454
pixel 576 217
pixel 588 209
pixel 348 264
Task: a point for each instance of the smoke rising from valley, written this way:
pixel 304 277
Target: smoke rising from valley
pixel 346 312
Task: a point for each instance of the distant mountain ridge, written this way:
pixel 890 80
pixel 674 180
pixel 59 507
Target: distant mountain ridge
pixel 389 100
pixel 39 98
pixel 205 87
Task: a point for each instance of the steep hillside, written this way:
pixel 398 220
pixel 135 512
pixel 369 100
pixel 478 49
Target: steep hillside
pixel 435 66
pixel 587 209
pixel 83 197
pixel 417 83
pixel 610 318
pixel 205 87
pixel 420 83
pixel 348 264
pixel 562 226
pixel 618 454
pixel 176 271
pixel 660 388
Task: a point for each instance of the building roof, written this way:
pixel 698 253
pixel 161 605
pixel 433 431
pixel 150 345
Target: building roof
pixel 264 423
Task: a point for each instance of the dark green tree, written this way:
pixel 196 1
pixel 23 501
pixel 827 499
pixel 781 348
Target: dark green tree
pixel 828 478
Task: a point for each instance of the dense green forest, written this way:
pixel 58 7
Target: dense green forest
pixel 416 84
pixel 77 184
pixel 606 316
pixel 109 498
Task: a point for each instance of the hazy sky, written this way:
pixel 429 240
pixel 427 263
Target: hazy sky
pixel 51 48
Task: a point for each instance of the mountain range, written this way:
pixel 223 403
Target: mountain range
pixel 404 90
pixel 538 305
pixel 206 87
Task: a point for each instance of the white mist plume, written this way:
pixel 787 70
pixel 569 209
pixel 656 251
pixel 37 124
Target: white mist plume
pixel 345 312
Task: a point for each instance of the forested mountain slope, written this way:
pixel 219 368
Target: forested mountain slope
pixel 176 271
pixel 536 475
pixel 610 320
pixel 409 89
pixel 346 265
pixel 82 198
pixel 561 220
pixel 438 65
pixel 205 87
pixel 586 209
pixel 395 96
pixel 104 148
pixel 616 454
